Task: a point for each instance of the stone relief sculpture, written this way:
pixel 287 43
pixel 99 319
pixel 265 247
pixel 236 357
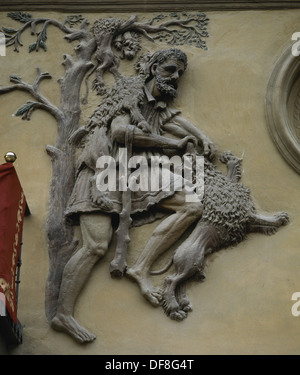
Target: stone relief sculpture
pixel 228 216
pixel 134 116
pixel 105 134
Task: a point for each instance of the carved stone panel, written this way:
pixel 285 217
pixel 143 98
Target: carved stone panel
pixel 136 112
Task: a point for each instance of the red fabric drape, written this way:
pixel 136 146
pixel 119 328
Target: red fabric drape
pixel 12 210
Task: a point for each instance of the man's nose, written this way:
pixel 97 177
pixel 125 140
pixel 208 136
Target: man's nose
pixel 175 75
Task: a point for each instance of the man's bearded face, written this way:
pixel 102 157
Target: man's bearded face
pixel 167 87
pixel 166 77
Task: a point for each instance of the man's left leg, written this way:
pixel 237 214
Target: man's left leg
pixel 163 237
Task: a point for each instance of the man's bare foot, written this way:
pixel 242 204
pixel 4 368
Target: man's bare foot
pixel 68 324
pixel 151 293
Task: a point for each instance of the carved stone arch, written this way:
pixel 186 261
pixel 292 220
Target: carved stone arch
pixel 283 107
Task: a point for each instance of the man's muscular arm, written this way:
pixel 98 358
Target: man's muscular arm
pixel 145 140
pixel 181 127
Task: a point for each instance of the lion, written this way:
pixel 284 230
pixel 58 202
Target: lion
pixel 229 214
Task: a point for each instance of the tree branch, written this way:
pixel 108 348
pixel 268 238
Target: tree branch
pixel 26 109
pixel 32 23
pixel 42 103
pixel 82 34
pixel 148 28
pixel 194 27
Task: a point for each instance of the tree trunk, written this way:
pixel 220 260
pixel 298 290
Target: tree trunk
pixel 60 234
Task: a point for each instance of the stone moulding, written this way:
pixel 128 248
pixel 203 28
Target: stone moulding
pixel 145 6
pixel 282 107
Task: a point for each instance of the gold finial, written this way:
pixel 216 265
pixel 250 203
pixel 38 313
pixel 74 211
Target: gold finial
pixel 10 157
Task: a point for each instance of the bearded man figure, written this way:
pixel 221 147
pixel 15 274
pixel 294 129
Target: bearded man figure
pixel 96 210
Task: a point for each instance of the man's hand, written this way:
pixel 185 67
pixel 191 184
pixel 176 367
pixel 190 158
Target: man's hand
pixel 184 141
pixel 209 148
pixel 180 125
pixel 143 125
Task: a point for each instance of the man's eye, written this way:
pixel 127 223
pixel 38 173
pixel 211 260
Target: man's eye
pixel 170 69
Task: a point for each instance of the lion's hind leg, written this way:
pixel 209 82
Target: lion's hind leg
pixel 181 295
pixel 170 303
pixel 175 301
pixel 189 261
pixel 182 298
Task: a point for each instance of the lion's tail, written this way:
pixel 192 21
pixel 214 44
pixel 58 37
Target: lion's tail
pixel 163 270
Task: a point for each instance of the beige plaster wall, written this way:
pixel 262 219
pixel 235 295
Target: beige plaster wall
pixel 244 306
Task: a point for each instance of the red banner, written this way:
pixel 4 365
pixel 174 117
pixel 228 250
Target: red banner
pixel 12 210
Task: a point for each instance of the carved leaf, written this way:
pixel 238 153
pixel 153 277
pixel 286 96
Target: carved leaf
pixel 32 47
pixel 8 30
pixel 73 20
pixel 43 45
pixel 24 108
pixel 15 78
pixel 40 43
pixel 20 16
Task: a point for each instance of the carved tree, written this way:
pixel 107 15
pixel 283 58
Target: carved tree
pixel 61 240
